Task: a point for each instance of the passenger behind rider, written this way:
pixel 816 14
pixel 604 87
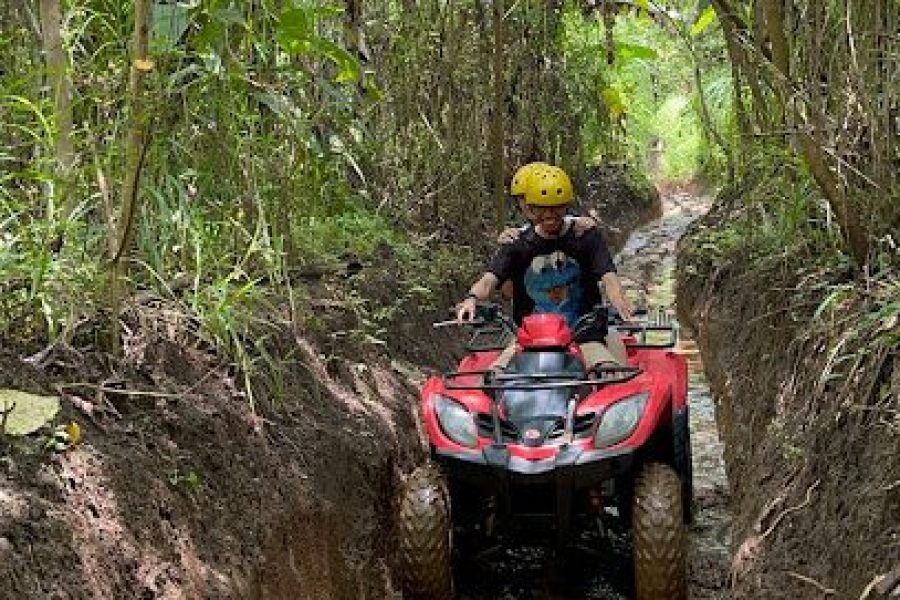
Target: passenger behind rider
pixel 517 187
pixel 552 269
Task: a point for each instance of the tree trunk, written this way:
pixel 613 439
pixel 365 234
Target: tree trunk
pixel 609 24
pixel 734 54
pixel 854 235
pixel 737 39
pixel 706 119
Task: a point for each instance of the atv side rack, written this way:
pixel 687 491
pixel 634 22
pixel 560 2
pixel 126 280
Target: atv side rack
pixel 641 331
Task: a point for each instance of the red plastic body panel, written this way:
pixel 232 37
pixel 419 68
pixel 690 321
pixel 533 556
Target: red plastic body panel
pixel 544 330
pixel 478 361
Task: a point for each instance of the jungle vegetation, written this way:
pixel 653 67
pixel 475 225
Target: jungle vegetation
pixel 212 151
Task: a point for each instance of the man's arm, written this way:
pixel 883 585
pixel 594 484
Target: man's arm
pixel 603 267
pixel 583 224
pixel 616 295
pixel 481 290
pixel 579 225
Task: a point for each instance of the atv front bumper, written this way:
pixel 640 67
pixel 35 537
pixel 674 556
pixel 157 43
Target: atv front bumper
pixel 573 467
pixel 509 478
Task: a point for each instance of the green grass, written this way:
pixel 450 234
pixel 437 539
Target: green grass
pixel 357 231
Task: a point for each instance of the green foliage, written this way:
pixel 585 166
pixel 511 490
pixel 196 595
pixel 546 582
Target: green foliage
pixel 42 288
pixel 282 138
pixel 707 16
pixel 170 22
pixel 298 34
pixel 24 413
pixel 779 214
pixel 190 481
pixel 682 139
pixel 626 52
pixel 649 93
pixel 356 231
pixel 63 437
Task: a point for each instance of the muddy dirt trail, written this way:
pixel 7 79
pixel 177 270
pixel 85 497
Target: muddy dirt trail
pixel 646 265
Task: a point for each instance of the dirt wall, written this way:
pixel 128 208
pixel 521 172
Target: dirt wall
pixel 197 491
pixel 807 398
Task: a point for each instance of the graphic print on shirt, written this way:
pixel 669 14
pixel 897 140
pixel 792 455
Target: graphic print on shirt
pixel 553 282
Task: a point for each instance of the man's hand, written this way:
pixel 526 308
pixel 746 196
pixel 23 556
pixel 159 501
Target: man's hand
pixel 616 296
pixel 483 288
pixel 508 235
pixel 623 307
pixel 585 223
pixel 465 310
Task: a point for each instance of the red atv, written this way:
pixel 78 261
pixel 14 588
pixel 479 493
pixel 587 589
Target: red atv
pixel 548 441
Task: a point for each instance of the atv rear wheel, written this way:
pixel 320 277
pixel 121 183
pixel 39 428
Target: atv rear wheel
pixel 425 534
pixel 658 534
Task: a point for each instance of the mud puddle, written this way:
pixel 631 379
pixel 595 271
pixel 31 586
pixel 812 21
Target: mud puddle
pixel 646 265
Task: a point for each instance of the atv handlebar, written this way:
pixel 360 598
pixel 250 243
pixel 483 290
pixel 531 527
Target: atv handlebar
pixel 486 313
pixel 493 326
pixel 456 322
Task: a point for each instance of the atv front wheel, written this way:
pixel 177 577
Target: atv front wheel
pixel 425 534
pixel 658 534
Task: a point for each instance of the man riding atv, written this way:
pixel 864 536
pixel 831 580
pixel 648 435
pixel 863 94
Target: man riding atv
pixel 551 267
pixel 517 187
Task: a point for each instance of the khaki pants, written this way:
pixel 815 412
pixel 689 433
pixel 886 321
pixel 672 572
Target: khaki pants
pixel 613 350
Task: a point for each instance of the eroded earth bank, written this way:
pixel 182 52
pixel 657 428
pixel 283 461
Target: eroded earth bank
pixel 802 357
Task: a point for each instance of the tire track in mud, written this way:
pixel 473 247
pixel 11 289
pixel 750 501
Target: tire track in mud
pixel 647 266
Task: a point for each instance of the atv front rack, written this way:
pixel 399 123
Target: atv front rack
pixel 492 330
pixel 493 381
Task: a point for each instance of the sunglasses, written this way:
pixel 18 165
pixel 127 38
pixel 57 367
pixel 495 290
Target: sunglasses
pixel 541 210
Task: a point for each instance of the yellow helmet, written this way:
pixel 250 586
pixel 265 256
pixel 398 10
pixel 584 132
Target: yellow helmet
pixel 549 187
pixel 523 175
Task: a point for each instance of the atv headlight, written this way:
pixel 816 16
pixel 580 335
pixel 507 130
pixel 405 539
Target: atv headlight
pixel 456 421
pixel 620 420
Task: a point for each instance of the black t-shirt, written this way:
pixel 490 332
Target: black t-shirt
pixel 558 275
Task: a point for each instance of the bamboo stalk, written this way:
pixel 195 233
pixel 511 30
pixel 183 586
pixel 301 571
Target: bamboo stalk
pixel 853 232
pixel 135 151
pixel 497 121
pixel 60 83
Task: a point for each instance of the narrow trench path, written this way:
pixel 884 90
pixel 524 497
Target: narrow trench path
pixel 647 268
